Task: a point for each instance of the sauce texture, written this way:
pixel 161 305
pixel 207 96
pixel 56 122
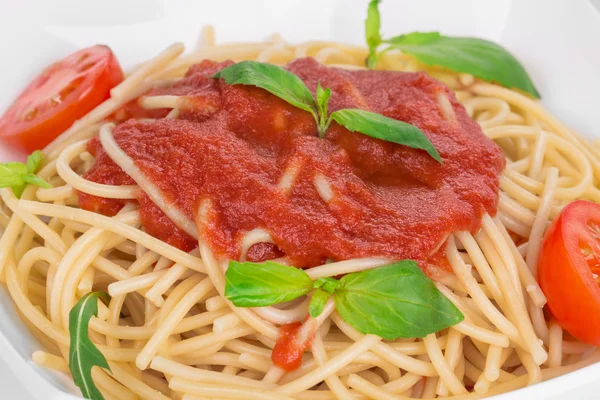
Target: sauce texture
pixel 259 164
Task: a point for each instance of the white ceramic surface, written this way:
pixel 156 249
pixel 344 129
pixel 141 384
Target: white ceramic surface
pixel 557 40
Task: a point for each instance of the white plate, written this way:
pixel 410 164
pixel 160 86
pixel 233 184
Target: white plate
pixel 558 41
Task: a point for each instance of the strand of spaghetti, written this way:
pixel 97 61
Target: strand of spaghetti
pixel 55 193
pixel 89 187
pixel 386 352
pixel 363 386
pixel 579 160
pixel 515 309
pixel 203 341
pixel 50 361
pixel 70 258
pixel 38 226
pixel 33 255
pixel 203 389
pixel 541 219
pixel 492 363
pixel 452 355
pixel 534 372
pixel 330 367
pixel 146 185
pixel 134 384
pixel 250 318
pixel 469 283
pixel 515 210
pixel 529 282
pixel 284 316
pixel 167 279
pixel 172 368
pixel 333 381
pixel 197 293
pixel 160 61
pixel 444 370
pixel 109 224
pixel 536 108
pixel 346 267
pixel 555 341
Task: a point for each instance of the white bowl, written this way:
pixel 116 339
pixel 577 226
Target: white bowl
pixel 558 41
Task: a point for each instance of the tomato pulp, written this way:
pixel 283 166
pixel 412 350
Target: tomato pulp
pixel 64 92
pixel 568 270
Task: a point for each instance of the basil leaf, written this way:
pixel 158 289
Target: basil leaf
pixel 83 354
pixel 33 161
pixel 384 128
pixel 481 58
pixel 17 175
pixel 12 174
pixel 394 301
pixel 327 284
pixel 317 302
pixel 273 79
pixel 258 285
pixel 322 96
pixel 372 35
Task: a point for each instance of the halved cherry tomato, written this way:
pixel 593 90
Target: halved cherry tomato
pixel 568 270
pixel 64 92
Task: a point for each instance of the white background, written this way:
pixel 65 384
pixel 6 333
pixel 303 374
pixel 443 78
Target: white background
pixel 10 387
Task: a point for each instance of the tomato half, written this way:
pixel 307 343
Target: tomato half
pixel 64 92
pixel 568 270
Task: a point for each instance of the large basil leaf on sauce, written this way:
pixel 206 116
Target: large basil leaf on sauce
pixel 273 79
pixel 481 58
pixel 394 301
pixel 384 128
pixel 83 353
pixel 263 284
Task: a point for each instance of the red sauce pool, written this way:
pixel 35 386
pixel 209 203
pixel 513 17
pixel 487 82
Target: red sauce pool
pixel 236 142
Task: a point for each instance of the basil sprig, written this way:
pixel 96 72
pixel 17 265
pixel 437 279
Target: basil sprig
pixel 17 175
pixel 481 58
pixel 83 354
pixel 393 301
pixel 289 87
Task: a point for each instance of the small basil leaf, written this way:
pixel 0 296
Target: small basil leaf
pixel 273 79
pixel 384 128
pixel 317 302
pixel 258 285
pixel 372 35
pixel 322 96
pixel 12 174
pixel 394 301
pixel 83 354
pixel 481 58
pixel 36 180
pixel 327 284
pixel 33 161
pixel 17 175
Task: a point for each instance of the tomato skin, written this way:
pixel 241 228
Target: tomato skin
pixel 63 93
pixel 564 272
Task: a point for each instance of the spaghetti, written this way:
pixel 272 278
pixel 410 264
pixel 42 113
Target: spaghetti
pixel 170 333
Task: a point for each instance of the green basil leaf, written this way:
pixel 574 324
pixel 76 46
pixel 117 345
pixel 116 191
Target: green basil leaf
pixel 317 302
pixel 273 79
pixel 372 28
pixel 327 284
pixel 481 58
pixel 322 96
pixel 258 285
pixel 12 174
pixel 394 301
pixel 83 354
pixel 33 161
pixel 36 180
pixel 17 175
pixel 384 128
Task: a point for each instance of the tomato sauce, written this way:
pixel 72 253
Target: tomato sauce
pixel 287 353
pixel 233 144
